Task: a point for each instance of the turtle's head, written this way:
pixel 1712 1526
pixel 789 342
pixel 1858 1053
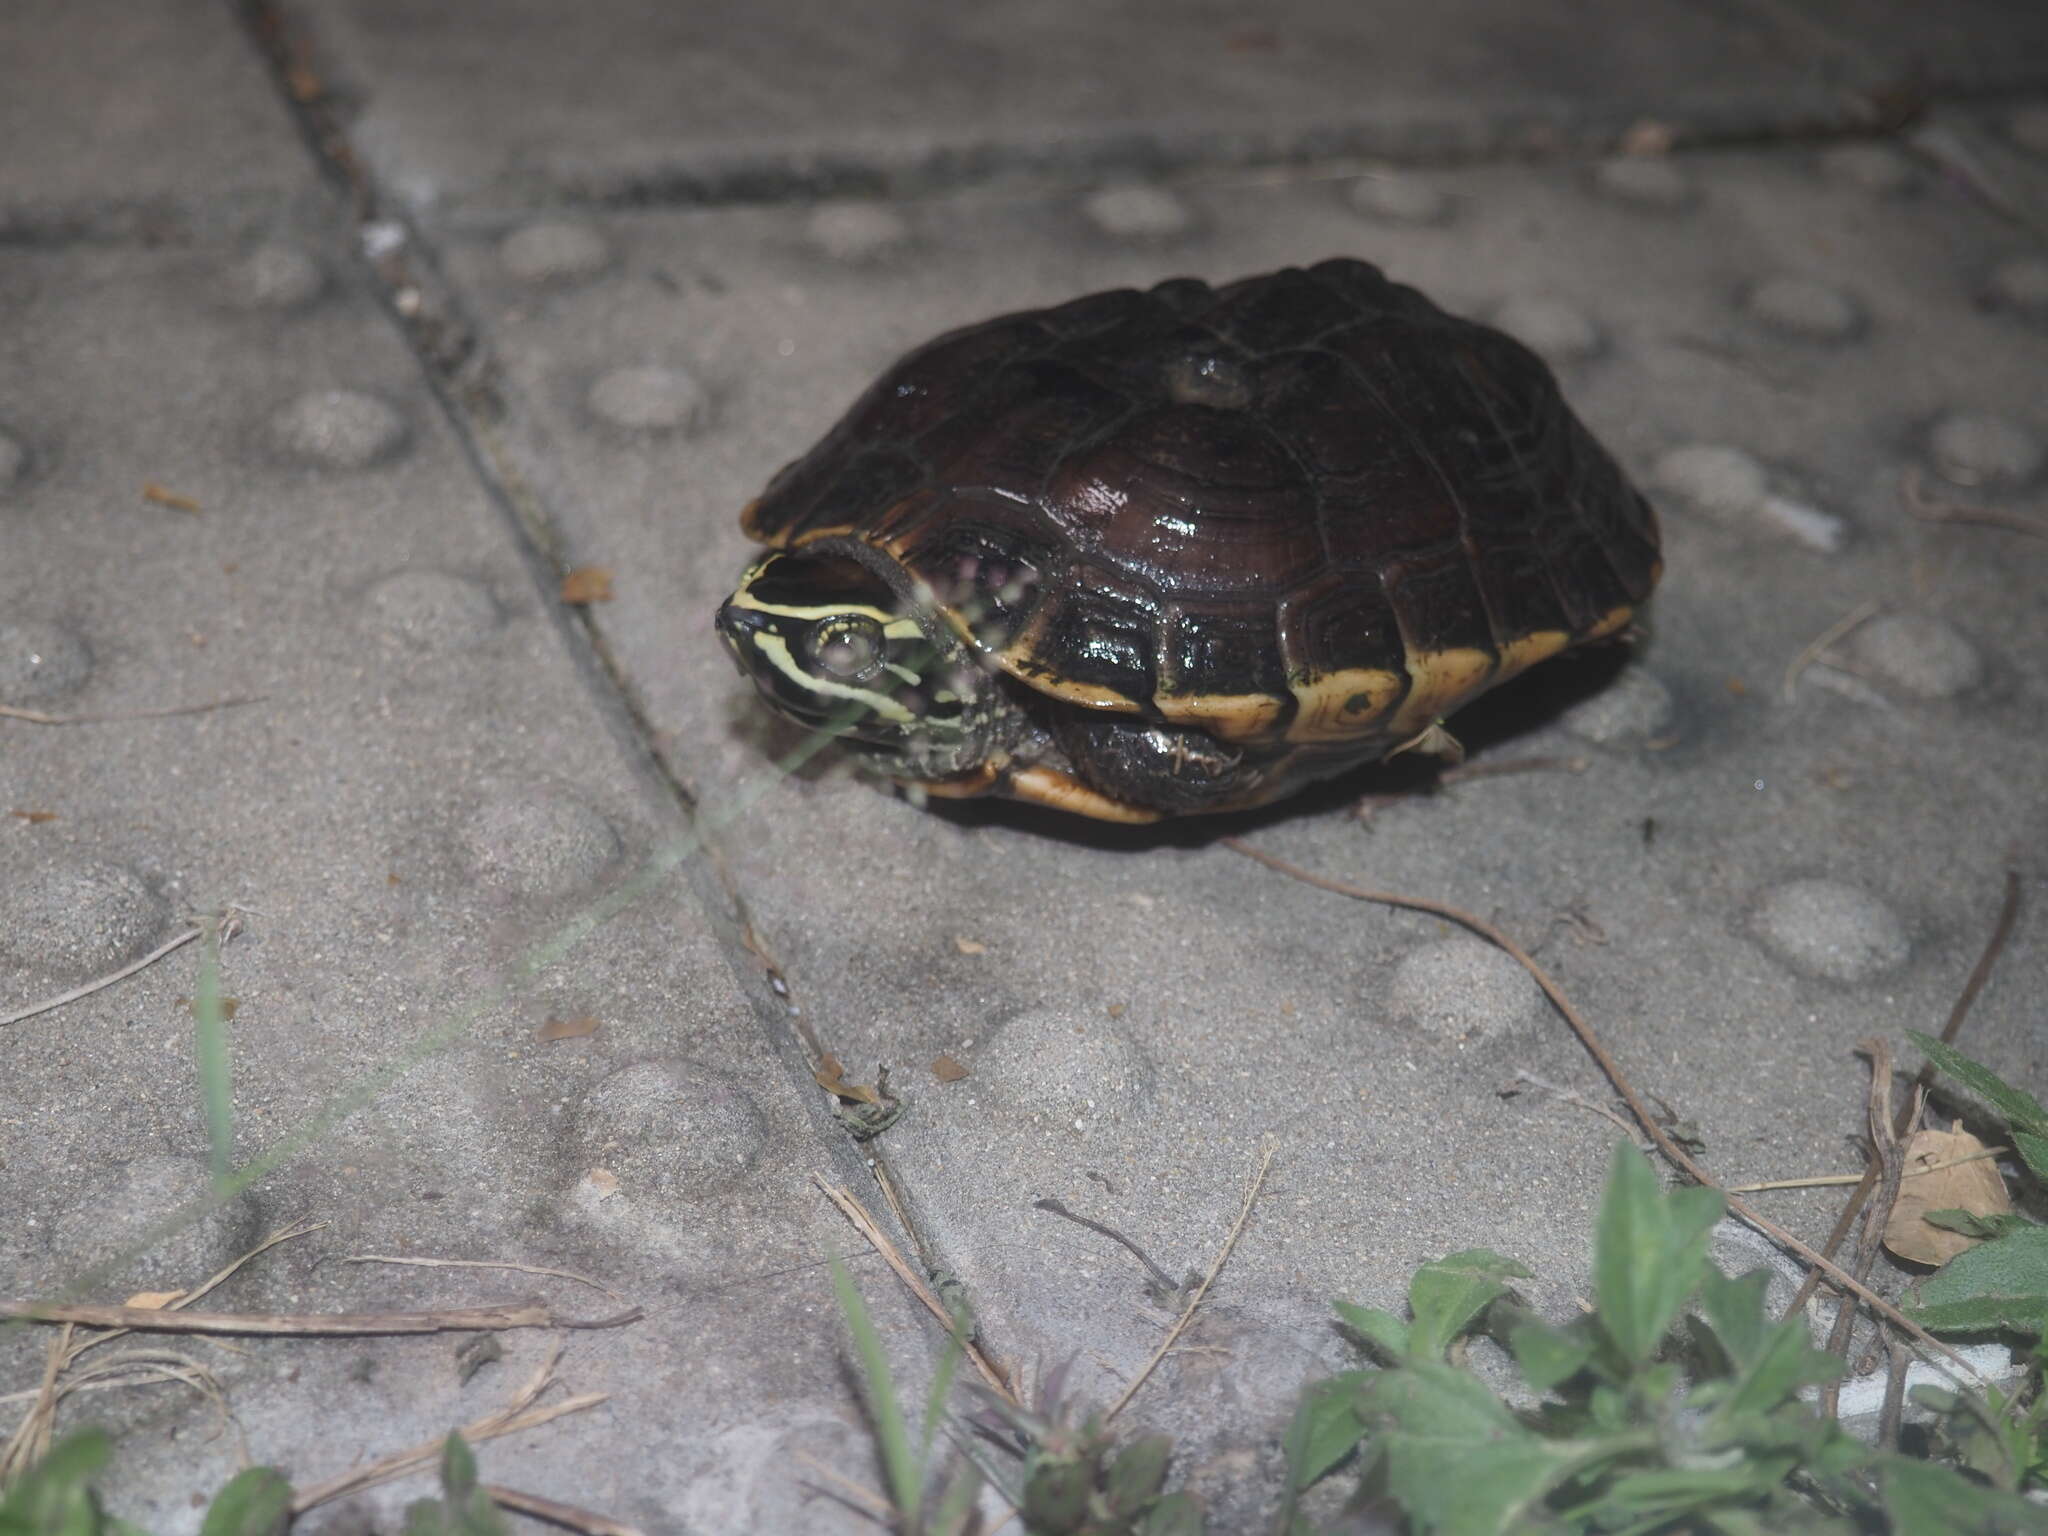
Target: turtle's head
pixel 831 645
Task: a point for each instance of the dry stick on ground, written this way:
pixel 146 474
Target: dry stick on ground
pixel 1187 1315
pixel 1884 1155
pixel 1811 651
pixel 2008 915
pixel 1898 1360
pixel 84 990
pixel 863 1223
pixel 452 1319
pixel 520 1413
pixel 524 1269
pixel 567 1515
pixel 1828 1180
pixel 1612 1069
pixel 1932 509
pixel 37 717
pixel 1578 1101
pixel 35 1428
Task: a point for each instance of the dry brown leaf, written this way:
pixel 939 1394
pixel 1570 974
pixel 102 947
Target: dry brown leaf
pixel 602 1182
pixel 1115 1010
pixel 969 946
pixel 569 1029
pixel 947 1070
pixel 151 491
pixel 34 818
pixel 587 584
pixel 1967 1186
pixel 831 1075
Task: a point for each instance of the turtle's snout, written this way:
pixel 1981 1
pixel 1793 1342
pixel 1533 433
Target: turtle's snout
pixel 736 621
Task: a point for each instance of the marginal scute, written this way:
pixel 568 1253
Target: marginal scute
pixel 1227 716
pixel 1040 785
pixel 1343 706
pixel 1442 681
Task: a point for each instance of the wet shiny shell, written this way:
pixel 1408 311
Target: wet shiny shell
pixel 1307 507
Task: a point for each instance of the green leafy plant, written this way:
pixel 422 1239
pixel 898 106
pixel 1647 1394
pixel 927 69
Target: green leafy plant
pixel 1075 1479
pixel 55 1497
pixel 1674 1405
pixel 1999 1286
pixel 463 1509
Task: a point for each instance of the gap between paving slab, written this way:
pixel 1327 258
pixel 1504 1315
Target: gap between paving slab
pixel 503 452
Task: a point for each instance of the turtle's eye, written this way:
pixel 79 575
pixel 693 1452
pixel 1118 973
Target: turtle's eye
pixel 849 649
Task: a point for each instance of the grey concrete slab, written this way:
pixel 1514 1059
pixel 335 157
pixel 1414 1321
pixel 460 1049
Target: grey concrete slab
pixel 430 793
pixel 1736 883
pixel 631 102
pixel 127 116
pixel 1738 879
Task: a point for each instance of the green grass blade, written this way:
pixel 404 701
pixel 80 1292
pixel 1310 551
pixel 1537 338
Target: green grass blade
pixel 210 1047
pixel 899 1460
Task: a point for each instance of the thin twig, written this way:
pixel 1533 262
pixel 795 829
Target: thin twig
pixel 870 1501
pixel 863 1223
pixel 453 1319
pixel 1187 1315
pixel 1820 642
pixel 1933 509
pixel 555 1513
pixel 1898 1360
pixel 1884 1157
pixel 1607 1064
pixel 1980 973
pixel 1160 1277
pixel 87 989
pixel 1577 1101
pixel 1830 1180
pixel 517 1414
pixel 524 1269
pixel 37 717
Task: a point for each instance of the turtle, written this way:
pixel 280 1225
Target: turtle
pixel 1184 550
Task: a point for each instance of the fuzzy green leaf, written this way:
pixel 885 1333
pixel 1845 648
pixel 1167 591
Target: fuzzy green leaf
pixel 1737 1312
pixel 1138 1473
pixel 257 1502
pixel 1930 1500
pixel 1386 1333
pixel 1999 1284
pixel 1787 1362
pixel 1548 1356
pixel 464 1509
pixel 1650 1253
pixel 2033 1150
pixel 1175 1515
pixel 54 1496
pixel 1445 1296
pixel 1668 1492
pixel 1325 1429
pixel 1456 1459
pixel 2021 1110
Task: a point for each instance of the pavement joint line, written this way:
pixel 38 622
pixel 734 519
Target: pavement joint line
pixel 460 368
